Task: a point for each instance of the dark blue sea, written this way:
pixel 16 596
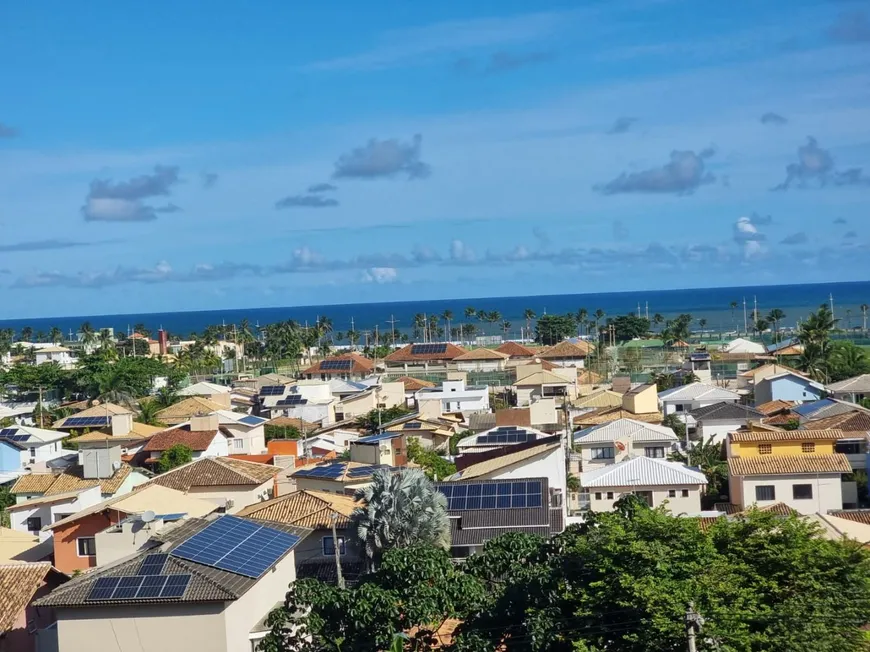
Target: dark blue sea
pixel 711 304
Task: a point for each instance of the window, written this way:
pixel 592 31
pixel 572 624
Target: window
pixel 685 493
pixel 597 495
pixel 34 524
pixel 603 453
pixel 808 447
pixel 609 495
pixel 238 444
pixel 654 451
pixel 60 517
pixel 32 452
pixel 87 547
pixel 765 492
pixel 672 493
pixel 329 546
pixel 679 407
pixel 802 491
pixel 765 449
pixel 848 447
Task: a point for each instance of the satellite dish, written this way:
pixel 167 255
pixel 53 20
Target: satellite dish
pixel 148 516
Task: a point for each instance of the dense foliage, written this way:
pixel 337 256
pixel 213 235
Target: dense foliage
pixel 281 432
pixel 434 466
pixel 372 421
pixel 176 455
pixel 621 582
pixel 552 329
pixel 629 327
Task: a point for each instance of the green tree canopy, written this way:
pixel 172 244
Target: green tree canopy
pixel 629 327
pixel 371 421
pixel 552 329
pixel 433 465
pixel 174 456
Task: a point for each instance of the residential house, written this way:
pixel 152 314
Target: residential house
pixel 202 435
pixel 748 379
pixel 602 398
pixel 258 382
pixel 639 403
pixel 518 354
pixel 208 584
pixel 775 408
pixel 335 477
pixel 534 383
pixel 44 498
pixel 788 386
pixel 823 408
pixel 412 386
pixel 452 396
pixel 97 416
pixel 498 438
pixel 613 442
pixel 566 354
pixel 118 527
pixel 57 354
pixel 124 436
pixel 797 467
pixel 187 409
pixel 422 357
pixel 348 366
pixel 481 509
pixel 686 398
pixel 655 480
pixel 229 483
pixel 482 359
pixel 786 349
pixel 248 432
pixel 855 427
pixel 853 390
pixel 312 402
pixel 24 627
pixel 301 426
pixel 382 449
pixel 741 345
pixel 367 398
pixel 22 546
pixel 717 420
pixel 699 364
pixel 327 515
pixel 154 348
pixel 432 433
pixel 542 415
pixel 22 447
pixel 641 399
pixel 220 394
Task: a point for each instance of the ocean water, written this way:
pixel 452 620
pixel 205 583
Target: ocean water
pixel 712 304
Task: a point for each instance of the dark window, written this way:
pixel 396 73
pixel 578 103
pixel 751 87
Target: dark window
pixel 654 451
pixel 597 495
pixel 87 547
pixel 765 492
pixel 765 449
pixel 802 491
pixel 672 493
pixel 34 524
pixel 329 546
pixel 609 495
pixel 808 447
pixel 603 453
pixel 848 447
pixel 685 493
pixel 679 407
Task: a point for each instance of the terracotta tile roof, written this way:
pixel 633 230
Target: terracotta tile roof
pixel 405 355
pixel 857 515
pixel 414 384
pixel 308 509
pixel 138 431
pixel 216 471
pixel 99 410
pixel 516 350
pixel 774 407
pixel 788 435
pixel 481 354
pixel 606 415
pixel 359 365
pixel 301 425
pixel 789 464
pixel 781 419
pixel 565 350
pixel 194 406
pixel 857 421
pixel 18 584
pixel 513 417
pixel 196 440
pixel 71 480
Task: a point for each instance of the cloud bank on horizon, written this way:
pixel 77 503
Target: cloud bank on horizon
pixel 447 151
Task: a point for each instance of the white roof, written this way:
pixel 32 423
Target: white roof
pixel 624 428
pixel 228 416
pixel 341 386
pixel 698 391
pixel 52 349
pixel 858 384
pixel 38 434
pixel 642 472
pixel 808 381
pixel 204 389
pixel 741 345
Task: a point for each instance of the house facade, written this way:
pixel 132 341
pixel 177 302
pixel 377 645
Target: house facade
pixel 854 389
pixel 788 386
pixel 24 627
pixel 613 442
pixel 717 420
pixel 25 446
pixel 683 400
pixel 452 396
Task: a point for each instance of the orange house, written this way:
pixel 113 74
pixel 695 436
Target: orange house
pixel 75 538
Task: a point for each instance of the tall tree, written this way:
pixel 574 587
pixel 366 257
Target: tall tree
pixel 26 334
pixel 709 457
pixel 864 309
pixel 733 306
pixel 529 316
pixel 775 317
pixel 552 329
pixel 88 335
pixel 815 337
pixel 447 316
pixel 399 509
pixel 56 335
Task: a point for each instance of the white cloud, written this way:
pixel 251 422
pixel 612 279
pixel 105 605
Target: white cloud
pixel 460 252
pixel 380 275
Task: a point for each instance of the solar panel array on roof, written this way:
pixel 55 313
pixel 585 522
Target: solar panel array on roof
pixel 375 438
pixel 83 422
pixel 330 471
pixel 236 545
pixel 139 587
pixel 252 420
pixel 153 564
pixel 12 435
pixel 272 390
pixel 176 516
pixel 336 365
pixel 413 425
pixel 493 495
pixel 428 349
pixel 506 435
pixel 293 399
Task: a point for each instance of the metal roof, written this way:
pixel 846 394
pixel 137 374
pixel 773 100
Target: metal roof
pixel 695 391
pixel 614 430
pixel 727 410
pixel 643 472
pixel 858 384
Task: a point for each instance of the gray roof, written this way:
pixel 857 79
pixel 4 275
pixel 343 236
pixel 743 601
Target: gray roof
pixel 207 584
pixel 480 421
pixel 698 391
pixel 858 384
pixel 629 428
pixel 728 411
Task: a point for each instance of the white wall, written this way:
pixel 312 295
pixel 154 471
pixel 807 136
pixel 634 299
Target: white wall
pixel 219 447
pixel 718 429
pixel 241 495
pixel 676 505
pixel 253 439
pixel 827 491
pixel 54 511
pixel 637 449
pixel 670 406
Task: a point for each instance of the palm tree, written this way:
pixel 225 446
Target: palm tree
pixel 702 324
pixel 470 312
pixel 709 458
pixel 447 316
pixel 581 316
pixel 419 324
pixel 165 397
pixel 658 319
pixel 528 315
pixel 864 309
pixel 399 509
pixel 88 335
pixel 494 317
pixel 848 319
pixel 733 306
pixel 599 315
pixel 775 317
pixel 148 412
pixel 761 325
pixel 142 329
pixel 56 335
pixel 505 327
pixel 26 334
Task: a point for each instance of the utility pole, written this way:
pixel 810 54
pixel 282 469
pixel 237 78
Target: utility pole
pixel 41 407
pixel 745 325
pixel 693 625
pixel 392 322
pixel 339 578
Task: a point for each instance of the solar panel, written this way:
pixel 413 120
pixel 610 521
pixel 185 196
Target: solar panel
pixel 175 586
pixel 238 546
pixel 293 399
pixel 414 425
pixel 153 564
pixel 103 588
pixel 506 437
pixel 252 420
pixel 272 390
pixel 7 433
pixel 336 365
pixel 428 349
pixel 139 587
pixel 503 495
pixel 128 587
pixel 152 586
pixel 361 471
pixel 81 422
pixel 177 516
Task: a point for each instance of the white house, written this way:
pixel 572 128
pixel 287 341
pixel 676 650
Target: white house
pixel 34 514
pixel 59 354
pixel 452 396
pixel 533 383
pixel 719 419
pixel 741 345
pixel 219 394
pixel 498 437
pixel 656 481
pixel 852 389
pixel 615 441
pixel 248 431
pixel 481 359
pixel 24 446
pixel 310 401
pixel 686 398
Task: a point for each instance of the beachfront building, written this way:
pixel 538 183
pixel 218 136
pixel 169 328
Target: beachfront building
pixel 57 354
pixel 479 360
pixel 566 354
pixel 348 366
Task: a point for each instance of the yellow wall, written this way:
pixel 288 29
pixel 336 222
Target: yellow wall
pixel 642 402
pixel 750 448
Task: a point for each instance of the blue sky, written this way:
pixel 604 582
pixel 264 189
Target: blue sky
pixel 187 156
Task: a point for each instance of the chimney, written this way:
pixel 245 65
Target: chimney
pixel 205 423
pixel 122 424
pixel 163 341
